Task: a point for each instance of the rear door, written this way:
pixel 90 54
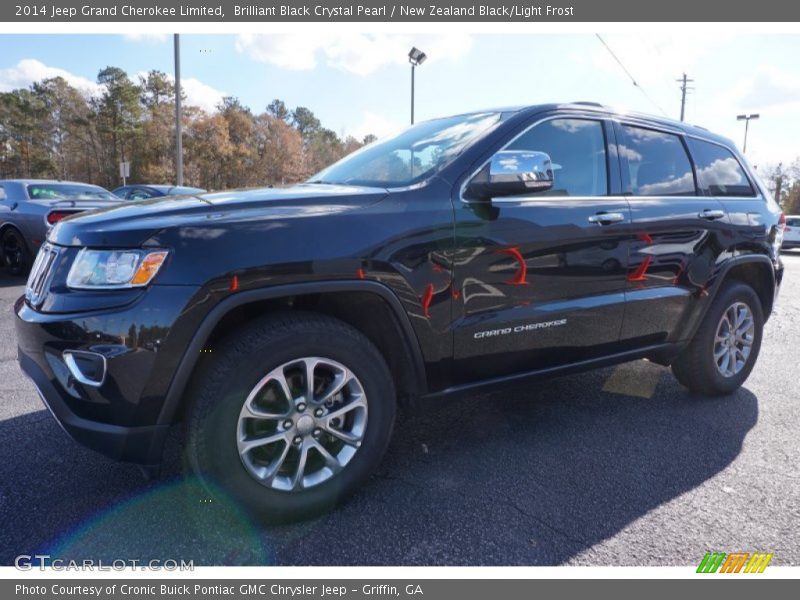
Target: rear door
pixel 540 278
pixel 720 175
pixel 676 231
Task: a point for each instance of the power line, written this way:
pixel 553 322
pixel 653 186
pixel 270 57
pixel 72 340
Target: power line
pixel 630 76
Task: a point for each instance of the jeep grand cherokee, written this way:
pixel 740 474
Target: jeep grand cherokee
pixel 283 326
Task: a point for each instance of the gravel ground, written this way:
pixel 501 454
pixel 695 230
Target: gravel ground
pixel 618 466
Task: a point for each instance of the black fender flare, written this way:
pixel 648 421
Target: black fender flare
pixel 190 357
pixel 721 277
pixel 743 259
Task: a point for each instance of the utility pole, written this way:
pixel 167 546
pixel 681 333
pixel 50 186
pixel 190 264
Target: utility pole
pixel 684 81
pixel 178 114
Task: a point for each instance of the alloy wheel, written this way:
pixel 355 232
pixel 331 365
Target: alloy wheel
pixel 301 424
pixel 734 339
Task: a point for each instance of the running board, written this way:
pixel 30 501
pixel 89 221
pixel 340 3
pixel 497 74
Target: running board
pixel 659 353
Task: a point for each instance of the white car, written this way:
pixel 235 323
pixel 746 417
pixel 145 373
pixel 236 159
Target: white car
pixel 791 234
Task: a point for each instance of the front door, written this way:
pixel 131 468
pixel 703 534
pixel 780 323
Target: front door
pixel 540 279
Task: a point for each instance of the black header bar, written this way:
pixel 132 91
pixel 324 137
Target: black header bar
pixel 405 11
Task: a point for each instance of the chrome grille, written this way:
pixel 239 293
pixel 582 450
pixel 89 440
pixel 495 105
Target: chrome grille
pixel 39 279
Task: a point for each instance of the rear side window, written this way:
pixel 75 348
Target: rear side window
pixel 792 222
pixel 70 191
pixel 657 163
pixel 718 171
pixel 577 148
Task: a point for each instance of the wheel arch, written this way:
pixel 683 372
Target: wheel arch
pixel 9 225
pixel 369 306
pixel 755 270
pixel 758 272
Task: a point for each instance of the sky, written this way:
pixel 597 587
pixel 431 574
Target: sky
pixel 359 83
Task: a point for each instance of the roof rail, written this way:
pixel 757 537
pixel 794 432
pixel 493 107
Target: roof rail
pixel 586 103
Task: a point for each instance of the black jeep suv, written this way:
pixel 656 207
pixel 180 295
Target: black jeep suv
pixel 282 326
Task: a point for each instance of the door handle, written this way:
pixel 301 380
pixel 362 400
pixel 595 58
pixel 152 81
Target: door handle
pixel 710 214
pixel 606 218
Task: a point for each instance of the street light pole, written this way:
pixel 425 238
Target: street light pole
pixel 416 57
pixel 178 114
pixel 746 119
pixel 413 66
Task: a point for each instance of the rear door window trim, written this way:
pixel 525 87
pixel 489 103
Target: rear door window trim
pixel 625 170
pixel 756 189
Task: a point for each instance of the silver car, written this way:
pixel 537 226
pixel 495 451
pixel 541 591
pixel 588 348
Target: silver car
pixel 29 207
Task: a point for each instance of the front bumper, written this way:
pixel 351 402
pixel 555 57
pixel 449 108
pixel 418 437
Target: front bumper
pixel 142 344
pixel 134 444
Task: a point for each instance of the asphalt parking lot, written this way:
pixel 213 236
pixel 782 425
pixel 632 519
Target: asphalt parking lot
pixel 614 467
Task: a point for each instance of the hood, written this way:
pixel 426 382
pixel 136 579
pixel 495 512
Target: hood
pixel 132 224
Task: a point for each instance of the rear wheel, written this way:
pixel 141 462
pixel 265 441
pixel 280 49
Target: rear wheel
pixel 724 350
pixel 293 414
pixel 16 257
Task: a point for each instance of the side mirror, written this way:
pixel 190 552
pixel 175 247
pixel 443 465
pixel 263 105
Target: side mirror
pixel 512 173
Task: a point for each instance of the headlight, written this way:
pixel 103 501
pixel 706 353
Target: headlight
pixel 114 269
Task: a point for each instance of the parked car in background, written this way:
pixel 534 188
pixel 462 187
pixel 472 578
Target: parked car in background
pixel 144 191
pixel 29 207
pixel 791 235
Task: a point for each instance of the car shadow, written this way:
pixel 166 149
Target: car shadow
pixel 533 476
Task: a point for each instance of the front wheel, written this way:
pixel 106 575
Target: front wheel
pixel 724 350
pixel 294 412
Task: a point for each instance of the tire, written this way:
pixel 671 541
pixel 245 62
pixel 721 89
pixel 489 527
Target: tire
pixel 16 256
pixel 245 372
pixel 697 366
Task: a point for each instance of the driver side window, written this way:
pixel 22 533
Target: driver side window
pixel 577 149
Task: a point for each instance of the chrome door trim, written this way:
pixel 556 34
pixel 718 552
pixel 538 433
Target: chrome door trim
pixel 621 120
pixel 527 199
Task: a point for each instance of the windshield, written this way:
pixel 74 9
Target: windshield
pixel 410 156
pixel 68 191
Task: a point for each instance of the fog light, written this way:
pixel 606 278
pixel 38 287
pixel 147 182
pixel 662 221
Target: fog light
pixel 88 368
